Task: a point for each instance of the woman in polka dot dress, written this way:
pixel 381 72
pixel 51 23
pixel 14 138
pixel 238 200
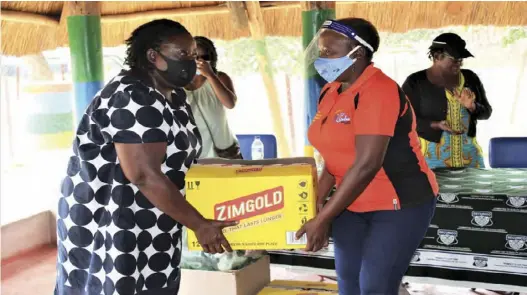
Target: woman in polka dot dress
pixel 122 206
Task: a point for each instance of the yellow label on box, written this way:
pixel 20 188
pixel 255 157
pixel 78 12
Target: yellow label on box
pixel 270 201
pixel 299 288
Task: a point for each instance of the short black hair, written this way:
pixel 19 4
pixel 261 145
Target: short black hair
pixel 366 30
pixel 207 45
pixel 150 36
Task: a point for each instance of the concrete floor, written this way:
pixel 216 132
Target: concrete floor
pixel 34 274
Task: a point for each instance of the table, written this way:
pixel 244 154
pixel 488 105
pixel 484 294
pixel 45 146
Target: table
pixel 477 238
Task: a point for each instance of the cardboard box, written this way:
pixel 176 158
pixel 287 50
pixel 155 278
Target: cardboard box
pixel 299 288
pixel 270 198
pixel 246 281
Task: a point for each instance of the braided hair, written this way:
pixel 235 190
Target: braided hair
pixel 149 36
pixel 208 46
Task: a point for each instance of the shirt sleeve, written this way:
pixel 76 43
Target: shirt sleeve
pixel 377 110
pixel 136 114
pixel 424 127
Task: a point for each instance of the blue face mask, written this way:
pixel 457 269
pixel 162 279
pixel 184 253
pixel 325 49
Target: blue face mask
pixel 198 72
pixel 331 68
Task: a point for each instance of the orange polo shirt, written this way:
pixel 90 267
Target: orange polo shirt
pixel 374 105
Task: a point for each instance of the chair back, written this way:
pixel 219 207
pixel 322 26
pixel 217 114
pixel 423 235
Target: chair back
pixel 508 152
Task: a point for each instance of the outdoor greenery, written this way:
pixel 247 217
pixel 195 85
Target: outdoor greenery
pixel 286 53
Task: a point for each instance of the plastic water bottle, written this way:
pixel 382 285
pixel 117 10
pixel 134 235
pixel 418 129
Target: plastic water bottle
pixel 257 149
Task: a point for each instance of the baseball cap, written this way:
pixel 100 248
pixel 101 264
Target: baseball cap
pixel 452 44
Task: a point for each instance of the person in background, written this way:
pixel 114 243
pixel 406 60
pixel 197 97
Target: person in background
pixel 386 193
pixel 209 94
pixel 122 206
pixel 448 102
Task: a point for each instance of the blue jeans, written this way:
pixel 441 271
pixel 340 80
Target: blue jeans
pixel 373 249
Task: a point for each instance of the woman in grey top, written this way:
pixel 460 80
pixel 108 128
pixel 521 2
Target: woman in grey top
pixel 208 95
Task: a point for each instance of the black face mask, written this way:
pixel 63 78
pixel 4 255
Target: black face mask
pixel 179 73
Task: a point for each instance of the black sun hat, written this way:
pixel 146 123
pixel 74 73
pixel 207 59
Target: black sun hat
pixel 452 44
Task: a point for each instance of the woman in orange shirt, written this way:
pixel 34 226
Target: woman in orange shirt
pixel 366 132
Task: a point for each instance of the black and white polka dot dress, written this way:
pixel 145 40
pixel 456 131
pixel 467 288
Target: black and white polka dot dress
pixel 111 239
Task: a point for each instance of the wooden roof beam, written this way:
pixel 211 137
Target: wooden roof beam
pixel 29 18
pixel 238 14
pixel 44 20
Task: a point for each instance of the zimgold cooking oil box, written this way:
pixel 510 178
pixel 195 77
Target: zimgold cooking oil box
pixel 271 199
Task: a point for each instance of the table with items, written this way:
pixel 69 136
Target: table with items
pixel 477 238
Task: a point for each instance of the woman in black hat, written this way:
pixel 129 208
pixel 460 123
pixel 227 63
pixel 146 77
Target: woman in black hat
pixel 448 101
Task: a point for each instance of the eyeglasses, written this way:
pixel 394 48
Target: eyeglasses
pixel 205 57
pixel 455 60
pixel 184 54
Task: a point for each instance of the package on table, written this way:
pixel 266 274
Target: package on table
pixel 270 198
pixel 246 281
pixel 279 287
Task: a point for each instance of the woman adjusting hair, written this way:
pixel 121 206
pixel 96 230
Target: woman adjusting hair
pixel 448 102
pixel 209 94
pixel 365 131
pixel 122 205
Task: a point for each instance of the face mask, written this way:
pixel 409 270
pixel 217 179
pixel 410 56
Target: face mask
pixel 331 68
pixel 198 72
pixel 179 73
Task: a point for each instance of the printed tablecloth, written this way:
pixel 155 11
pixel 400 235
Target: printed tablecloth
pixel 478 233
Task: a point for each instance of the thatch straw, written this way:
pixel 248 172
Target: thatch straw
pixel 405 16
pixel 120 18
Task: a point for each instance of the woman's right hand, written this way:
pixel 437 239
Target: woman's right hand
pixel 210 236
pixel 443 125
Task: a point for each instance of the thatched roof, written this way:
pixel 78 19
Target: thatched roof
pixel 30 27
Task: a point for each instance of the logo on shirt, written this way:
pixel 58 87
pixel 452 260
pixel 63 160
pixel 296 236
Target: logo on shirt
pixel 342 118
pixel 481 219
pixel 318 115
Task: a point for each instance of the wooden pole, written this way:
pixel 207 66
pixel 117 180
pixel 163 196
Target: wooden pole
pixel 238 14
pixel 257 29
pixel 314 13
pixel 290 112
pixel 40 70
pixel 84 34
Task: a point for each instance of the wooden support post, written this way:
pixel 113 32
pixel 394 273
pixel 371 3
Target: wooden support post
pixel 238 14
pixel 40 70
pixel 290 112
pixel 84 34
pixel 256 26
pixel 314 13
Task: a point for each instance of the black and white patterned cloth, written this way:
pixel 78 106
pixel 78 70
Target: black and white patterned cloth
pixel 111 239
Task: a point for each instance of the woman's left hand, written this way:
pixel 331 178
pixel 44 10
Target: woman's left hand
pixel 466 98
pixel 205 68
pixel 317 232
